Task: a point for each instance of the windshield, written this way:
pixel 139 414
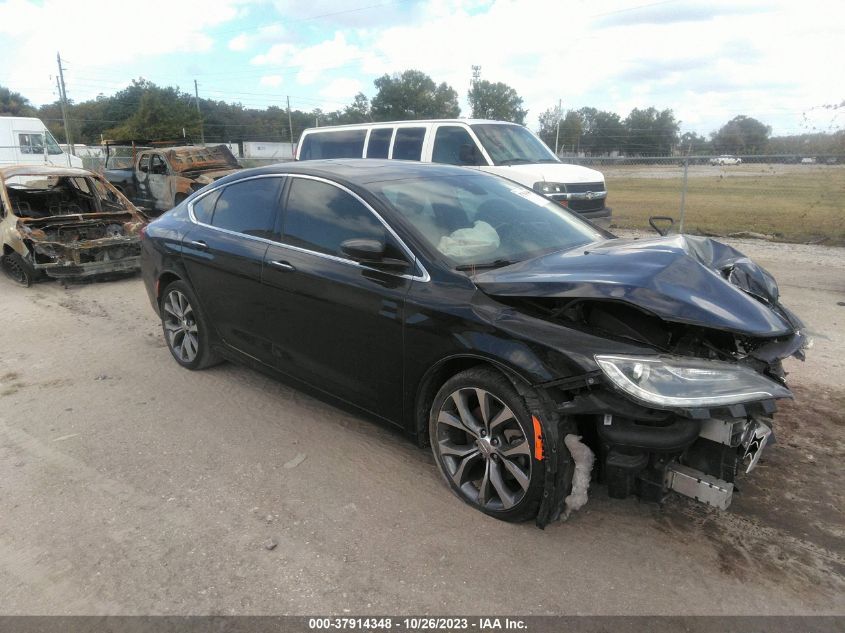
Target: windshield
pixel 512 144
pixel 480 220
pixel 40 196
pixel 123 156
pixel 52 145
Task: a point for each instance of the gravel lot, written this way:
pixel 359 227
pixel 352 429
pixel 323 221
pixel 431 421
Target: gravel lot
pixel 131 486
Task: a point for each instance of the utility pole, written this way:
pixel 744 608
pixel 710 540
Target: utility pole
pixel 476 74
pixel 290 128
pixel 63 98
pixel 197 95
pixel 559 116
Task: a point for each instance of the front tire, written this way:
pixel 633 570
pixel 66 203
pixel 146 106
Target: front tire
pixel 482 437
pixel 186 330
pixel 18 269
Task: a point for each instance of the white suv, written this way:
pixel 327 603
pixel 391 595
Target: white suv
pixel 505 149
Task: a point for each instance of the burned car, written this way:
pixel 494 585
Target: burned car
pixel 158 179
pixel 531 350
pixel 65 223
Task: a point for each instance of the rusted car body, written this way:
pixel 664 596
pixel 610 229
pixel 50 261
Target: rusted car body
pixel 65 223
pixel 158 179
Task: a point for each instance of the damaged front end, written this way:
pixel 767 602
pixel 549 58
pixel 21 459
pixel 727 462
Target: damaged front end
pixel 83 245
pixel 693 412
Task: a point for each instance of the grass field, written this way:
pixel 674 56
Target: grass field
pixel 792 203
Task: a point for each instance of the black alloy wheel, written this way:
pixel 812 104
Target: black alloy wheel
pixel 184 327
pixel 481 434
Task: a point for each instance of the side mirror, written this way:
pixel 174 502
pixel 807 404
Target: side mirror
pixel 371 252
pixel 363 250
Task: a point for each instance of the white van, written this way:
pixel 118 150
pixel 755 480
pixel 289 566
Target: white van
pixel 506 149
pixel 26 140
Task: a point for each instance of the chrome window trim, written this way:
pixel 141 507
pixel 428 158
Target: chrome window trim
pixel 423 276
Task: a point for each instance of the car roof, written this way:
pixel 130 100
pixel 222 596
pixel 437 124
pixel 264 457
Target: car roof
pixel 42 170
pixel 326 128
pixel 360 171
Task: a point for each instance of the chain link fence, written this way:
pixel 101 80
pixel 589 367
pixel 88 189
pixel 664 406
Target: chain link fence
pixel 780 197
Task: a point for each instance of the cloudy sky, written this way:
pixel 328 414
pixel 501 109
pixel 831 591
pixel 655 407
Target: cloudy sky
pixel 780 61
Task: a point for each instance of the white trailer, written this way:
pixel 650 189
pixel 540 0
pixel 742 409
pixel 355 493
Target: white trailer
pixel 262 149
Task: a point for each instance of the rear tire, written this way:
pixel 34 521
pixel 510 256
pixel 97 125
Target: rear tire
pixel 185 327
pixel 482 437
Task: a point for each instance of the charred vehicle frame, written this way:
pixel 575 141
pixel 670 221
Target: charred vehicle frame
pixel 158 178
pixel 65 223
pixel 532 350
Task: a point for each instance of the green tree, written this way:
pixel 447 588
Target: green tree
pixel 692 143
pixel 741 135
pixel 548 125
pixel 651 132
pixel 162 113
pixel 496 101
pixel 571 129
pixel 358 111
pixel 413 95
pixel 15 104
pixel 603 132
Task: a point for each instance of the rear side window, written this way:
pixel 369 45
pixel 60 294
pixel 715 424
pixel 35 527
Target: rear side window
pixel 379 142
pixel 448 142
pixel 336 144
pixel 319 217
pixel 408 143
pixel 248 207
pixel 204 207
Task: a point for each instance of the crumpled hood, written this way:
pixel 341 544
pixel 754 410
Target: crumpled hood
pixel 684 279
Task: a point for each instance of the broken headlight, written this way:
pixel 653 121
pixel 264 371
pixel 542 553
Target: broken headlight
pixel 673 381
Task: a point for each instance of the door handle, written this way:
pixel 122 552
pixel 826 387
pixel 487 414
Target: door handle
pixel 283 265
pixel 198 244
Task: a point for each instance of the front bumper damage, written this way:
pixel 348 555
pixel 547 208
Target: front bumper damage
pixel 694 407
pixel 88 258
pixel 644 452
pixel 64 253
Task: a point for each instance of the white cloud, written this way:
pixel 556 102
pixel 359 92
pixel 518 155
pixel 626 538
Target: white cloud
pixel 771 59
pixel 342 90
pixel 239 43
pixel 271 81
pixel 103 35
pixel 264 35
pixel 310 63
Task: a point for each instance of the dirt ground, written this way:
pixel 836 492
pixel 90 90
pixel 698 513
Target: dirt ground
pixel 131 486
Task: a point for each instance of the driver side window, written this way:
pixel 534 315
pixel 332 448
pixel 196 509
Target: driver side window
pixel 454 146
pixel 320 217
pixel 144 163
pixel 157 165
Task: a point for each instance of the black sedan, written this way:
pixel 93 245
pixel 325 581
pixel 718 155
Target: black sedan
pixel 533 351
